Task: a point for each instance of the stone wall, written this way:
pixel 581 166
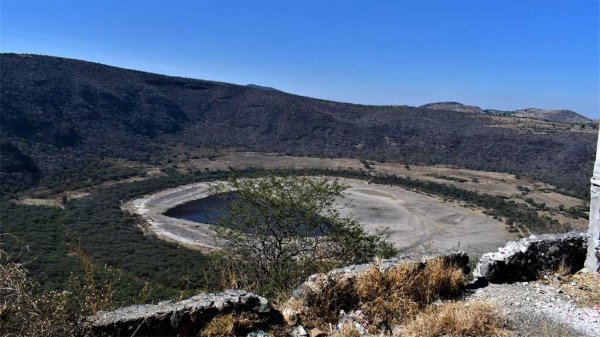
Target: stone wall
pixel 185 318
pixel 528 258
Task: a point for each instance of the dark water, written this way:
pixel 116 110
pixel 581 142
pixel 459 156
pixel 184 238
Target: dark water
pixel 206 210
pixel 210 209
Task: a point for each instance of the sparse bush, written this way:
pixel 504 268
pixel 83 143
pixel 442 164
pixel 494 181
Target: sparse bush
pixel 26 309
pixel 366 164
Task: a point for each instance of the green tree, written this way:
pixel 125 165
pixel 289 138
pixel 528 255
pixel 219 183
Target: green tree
pixel 282 229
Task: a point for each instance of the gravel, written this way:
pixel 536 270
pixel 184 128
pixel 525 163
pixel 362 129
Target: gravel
pixel 536 309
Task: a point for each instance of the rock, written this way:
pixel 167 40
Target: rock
pixel 185 318
pixel 528 258
pixel 397 330
pixel 356 319
pixel 299 332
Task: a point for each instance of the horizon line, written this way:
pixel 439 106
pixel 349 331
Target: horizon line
pixel 189 77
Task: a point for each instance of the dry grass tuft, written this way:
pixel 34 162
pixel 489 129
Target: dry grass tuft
pixel 220 326
pixel 324 305
pixel 458 319
pixel 232 324
pixel 392 296
pixel 397 294
pixel 346 330
pixel 564 269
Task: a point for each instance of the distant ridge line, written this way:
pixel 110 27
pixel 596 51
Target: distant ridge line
pixel 550 115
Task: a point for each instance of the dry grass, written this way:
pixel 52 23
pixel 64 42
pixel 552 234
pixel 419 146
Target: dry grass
pixel 392 296
pixel 25 311
pixel 346 330
pixel 93 297
pixel 396 294
pixel 582 287
pixel 232 324
pixel 220 326
pixel 28 310
pixel 563 269
pixel 323 306
pixel 457 319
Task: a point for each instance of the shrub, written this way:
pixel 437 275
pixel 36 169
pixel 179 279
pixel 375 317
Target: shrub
pixel 28 310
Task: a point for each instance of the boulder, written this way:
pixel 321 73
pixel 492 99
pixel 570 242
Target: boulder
pixel 528 258
pixel 185 318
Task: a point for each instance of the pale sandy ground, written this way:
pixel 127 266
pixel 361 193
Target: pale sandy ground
pixel 416 222
pixel 150 209
pixel 420 222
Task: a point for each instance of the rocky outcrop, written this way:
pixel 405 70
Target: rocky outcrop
pixel 185 318
pixel 528 258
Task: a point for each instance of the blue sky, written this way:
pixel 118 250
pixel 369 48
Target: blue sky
pixel 495 54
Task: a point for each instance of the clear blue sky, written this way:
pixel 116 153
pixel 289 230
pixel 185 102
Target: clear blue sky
pixel 498 54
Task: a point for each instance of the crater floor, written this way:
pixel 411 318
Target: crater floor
pixel 416 222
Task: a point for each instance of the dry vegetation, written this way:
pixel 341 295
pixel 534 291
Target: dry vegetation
pixel 582 287
pixel 232 324
pixel 26 309
pixel 524 125
pixel 406 296
pixel 393 296
pixel 403 301
pixel 346 330
pixel 456 319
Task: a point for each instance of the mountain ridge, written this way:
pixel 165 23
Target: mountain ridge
pixel 64 116
pixel 550 115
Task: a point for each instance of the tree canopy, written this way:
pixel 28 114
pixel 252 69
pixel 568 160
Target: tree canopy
pixel 282 229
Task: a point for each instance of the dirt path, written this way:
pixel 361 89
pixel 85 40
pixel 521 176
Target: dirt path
pixel 536 309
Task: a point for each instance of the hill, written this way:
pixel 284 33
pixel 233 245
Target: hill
pixel 256 86
pixel 453 106
pixel 63 120
pixel 556 116
pixel 560 116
